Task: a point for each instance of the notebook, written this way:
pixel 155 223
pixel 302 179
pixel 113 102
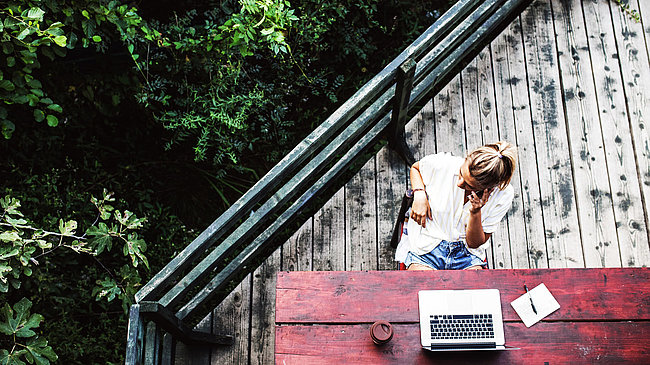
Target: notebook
pixel 461 320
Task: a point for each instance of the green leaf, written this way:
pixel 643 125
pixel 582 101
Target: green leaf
pixel 25 32
pixel 101 238
pixel 12 358
pixel 15 221
pixel 56 25
pixel 11 61
pixel 39 352
pixel 39 116
pixel 10 236
pixel 67 228
pixel 7 85
pixel 60 40
pixel 85 14
pixel 97 38
pixel 52 121
pixel 55 107
pixel 35 13
pixel 17 321
pixel 7 128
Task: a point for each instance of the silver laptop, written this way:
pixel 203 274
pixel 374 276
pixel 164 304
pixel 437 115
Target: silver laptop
pixel 461 320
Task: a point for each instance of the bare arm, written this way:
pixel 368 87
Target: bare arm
pixel 420 209
pixel 474 235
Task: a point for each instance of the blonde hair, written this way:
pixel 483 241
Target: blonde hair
pixel 493 164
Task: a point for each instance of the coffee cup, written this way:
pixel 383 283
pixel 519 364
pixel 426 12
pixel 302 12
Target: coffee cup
pixel 381 332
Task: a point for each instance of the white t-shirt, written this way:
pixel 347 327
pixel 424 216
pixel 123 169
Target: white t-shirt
pixel 450 216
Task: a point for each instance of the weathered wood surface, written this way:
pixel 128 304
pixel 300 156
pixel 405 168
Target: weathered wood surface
pixel 326 316
pixel 594 203
pixel 354 297
pixel 635 71
pixel 361 220
pixel 557 109
pixel 552 343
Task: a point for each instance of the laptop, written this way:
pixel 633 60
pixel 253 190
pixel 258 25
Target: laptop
pixel 461 320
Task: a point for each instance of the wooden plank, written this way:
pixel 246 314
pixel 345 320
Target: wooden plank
pixel 449 119
pixel 168 350
pixel 391 185
pixel 195 354
pixel 549 128
pixel 263 310
pixel 297 251
pixel 510 243
pixel 619 152
pixel 152 345
pixel 361 220
pixel 421 134
pixel 135 337
pixel 635 71
pixel 527 237
pixel 593 195
pixel 546 343
pixel 480 120
pixel 644 11
pixel 530 252
pixel 232 316
pixel 349 297
pixel 329 234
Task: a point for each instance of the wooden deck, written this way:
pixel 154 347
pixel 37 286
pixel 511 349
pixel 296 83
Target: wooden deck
pixel 569 83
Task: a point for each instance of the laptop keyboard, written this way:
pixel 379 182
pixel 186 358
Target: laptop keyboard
pixel 461 326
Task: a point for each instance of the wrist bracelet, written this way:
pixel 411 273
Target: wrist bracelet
pixel 414 190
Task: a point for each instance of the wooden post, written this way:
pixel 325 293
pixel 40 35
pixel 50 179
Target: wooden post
pixel 152 345
pixel 135 337
pixel 396 135
pixel 168 350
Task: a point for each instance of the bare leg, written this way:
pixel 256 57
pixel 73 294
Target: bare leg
pixel 477 267
pixel 419 267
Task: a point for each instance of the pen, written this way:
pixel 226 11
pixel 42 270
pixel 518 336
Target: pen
pixel 531 299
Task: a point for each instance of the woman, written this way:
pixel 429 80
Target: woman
pixel 457 205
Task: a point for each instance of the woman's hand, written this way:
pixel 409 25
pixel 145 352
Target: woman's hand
pixel 420 210
pixel 478 202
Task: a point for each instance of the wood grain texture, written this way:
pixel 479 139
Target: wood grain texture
pixel 586 149
pixel 232 316
pixel 635 72
pixel 514 230
pixel 421 133
pixel 449 119
pixel 481 128
pixel 614 120
pixel 350 297
pixel 329 234
pixel 361 220
pixel 550 136
pixel 391 185
pixel 297 252
pixel 262 338
pixel 195 354
pixel 548 343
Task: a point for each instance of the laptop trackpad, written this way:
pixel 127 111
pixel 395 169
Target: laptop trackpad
pixel 461 302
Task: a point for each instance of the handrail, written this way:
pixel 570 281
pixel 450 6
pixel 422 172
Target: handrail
pixel 441 51
pixel 311 143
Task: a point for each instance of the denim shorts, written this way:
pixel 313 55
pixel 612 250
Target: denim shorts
pixel 446 256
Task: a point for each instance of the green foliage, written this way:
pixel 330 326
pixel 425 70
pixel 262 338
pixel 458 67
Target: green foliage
pixel 32 30
pixel 17 324
pixel 21 239
pixel 180 115
pixel 632 13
